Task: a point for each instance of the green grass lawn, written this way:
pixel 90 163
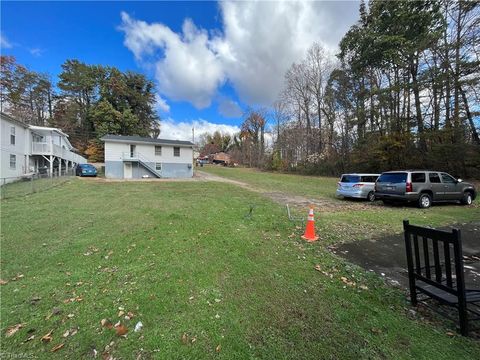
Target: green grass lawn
pixel 359 219
pixel 294 184
pixel 205 281
pixel 28 186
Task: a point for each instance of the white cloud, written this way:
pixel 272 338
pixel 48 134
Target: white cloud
pixel 229 108
pixel 161 104
pixel 37 52
pixel 188 70
pixel 4 43
pixel 256 45
pixel 170 129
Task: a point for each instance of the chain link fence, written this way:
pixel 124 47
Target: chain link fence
pixel 29 184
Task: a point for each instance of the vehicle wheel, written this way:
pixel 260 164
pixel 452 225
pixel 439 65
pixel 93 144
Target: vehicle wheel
pixel 467 198
pixel 371 196
pixel 425 201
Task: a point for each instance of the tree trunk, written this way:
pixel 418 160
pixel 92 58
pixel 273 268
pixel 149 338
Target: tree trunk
pixel 473 129
pixel 456 98
pixel 418 106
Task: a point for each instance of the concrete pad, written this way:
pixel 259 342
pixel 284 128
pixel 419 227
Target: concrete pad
pixel 386 256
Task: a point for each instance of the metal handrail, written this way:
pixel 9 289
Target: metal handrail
pixel 142 159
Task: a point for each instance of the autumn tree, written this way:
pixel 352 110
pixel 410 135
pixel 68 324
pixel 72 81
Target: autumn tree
pixel 25 94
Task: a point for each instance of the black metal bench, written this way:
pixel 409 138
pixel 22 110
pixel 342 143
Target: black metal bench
pixel 435 270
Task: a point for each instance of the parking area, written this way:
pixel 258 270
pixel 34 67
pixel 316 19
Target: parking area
pixel 386 255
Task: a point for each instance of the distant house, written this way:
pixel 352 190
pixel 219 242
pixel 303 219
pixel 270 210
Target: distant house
pixel 220 158
pixel 134 157
pixel 28 149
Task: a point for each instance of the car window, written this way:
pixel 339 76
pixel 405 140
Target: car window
pixel 448 179
pixel 393 178
pixel 418 177
pixel 369 178
pixel 350 178
pixel 434 178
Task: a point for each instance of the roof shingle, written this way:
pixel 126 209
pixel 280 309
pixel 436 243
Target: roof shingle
pixel 124 138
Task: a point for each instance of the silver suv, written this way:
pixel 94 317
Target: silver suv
pixel 423 187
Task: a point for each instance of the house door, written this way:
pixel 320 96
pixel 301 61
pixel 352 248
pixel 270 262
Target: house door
pixel 127 170
pixel 132 151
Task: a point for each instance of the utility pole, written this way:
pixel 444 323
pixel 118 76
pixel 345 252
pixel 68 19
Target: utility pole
pixel 193 147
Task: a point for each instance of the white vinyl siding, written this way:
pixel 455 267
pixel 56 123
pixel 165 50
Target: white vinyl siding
pixel 114 152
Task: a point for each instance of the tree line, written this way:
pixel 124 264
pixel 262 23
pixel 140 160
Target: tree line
pixel 403 92
pixel 87 102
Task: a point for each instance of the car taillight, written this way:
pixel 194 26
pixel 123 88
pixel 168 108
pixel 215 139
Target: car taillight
pixel 409 187
pixel 358 185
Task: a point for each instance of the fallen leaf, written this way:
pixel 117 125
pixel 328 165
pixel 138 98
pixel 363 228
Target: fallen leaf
pixel 66 333
pixel 30 338
pixel 106 323
pixel 218 348
pixel 317 267
pixel 121 330
pixel 13 329
pixel 55 311
pixel 47 337
pixel 70 316
pixel 130 314
pixel 78 299
pixel 120 313
pixel 18 277
pixel 363 287
pixel 346 281
pixel 58 347
pixel 35 299
pixel 184 338
pixel 449 333
pixel 106 356
pixel 138 327
pixel 3 282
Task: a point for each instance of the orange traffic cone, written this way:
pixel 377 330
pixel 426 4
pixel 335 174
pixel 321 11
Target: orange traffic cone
pixel 310 229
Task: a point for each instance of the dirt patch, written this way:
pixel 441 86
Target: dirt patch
pixel 294 201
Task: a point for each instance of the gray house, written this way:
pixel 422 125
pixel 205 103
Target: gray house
pixel 134 157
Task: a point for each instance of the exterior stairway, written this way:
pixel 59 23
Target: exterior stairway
pixel 142 160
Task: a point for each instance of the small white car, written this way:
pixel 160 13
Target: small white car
pixel 360 186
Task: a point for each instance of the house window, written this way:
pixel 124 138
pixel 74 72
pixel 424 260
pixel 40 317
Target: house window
pixel 158 150
pixel 13 161
pixel 158 166
pixel 12 135
pixel 176 151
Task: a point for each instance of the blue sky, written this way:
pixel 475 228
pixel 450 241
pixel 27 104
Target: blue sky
pixel 209 60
